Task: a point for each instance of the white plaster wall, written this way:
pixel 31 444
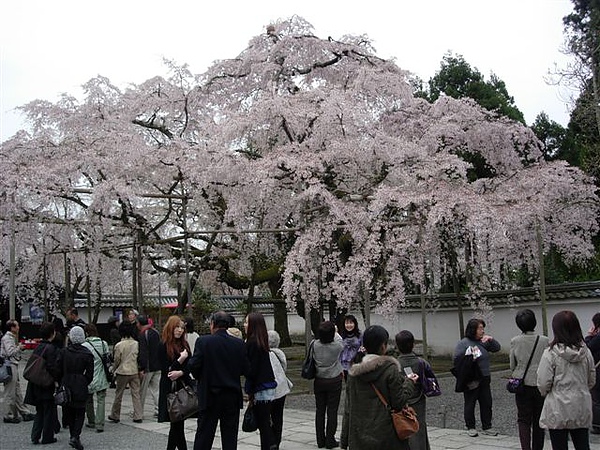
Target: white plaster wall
pixel 442 325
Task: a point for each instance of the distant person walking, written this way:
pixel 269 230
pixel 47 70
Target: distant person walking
pixel 478 345
pixel 529 401
pixel 127 373
pixel 11 349
pixel 73 318
pixel 592 340
pixel 565 376
pixel 113 334
pixel 218 362
pixel 190 331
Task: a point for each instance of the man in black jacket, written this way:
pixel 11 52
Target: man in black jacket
pixel 218 362
pixel 149 341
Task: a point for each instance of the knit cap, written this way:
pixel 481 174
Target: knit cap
pixel 77 335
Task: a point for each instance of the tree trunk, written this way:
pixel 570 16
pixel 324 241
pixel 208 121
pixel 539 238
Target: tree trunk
pixel 280 317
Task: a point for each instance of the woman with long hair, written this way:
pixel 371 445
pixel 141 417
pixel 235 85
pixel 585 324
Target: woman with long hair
pixel 173 354
pixel 260 383
pixel 565 376
pixel 352 340
pixel 525 348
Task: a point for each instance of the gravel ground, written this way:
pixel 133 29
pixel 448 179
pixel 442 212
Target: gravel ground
pixel 446 411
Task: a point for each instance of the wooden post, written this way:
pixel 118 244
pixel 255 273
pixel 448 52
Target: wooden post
pixel 12 309
pixel 424 323
pixel 540 245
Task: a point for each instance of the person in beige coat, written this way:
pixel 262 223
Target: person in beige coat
pixel 565 376
pixel 127 372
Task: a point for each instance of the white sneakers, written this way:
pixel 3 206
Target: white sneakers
pixel 490 432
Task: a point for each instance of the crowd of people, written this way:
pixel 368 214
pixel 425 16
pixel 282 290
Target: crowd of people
pixel 556 387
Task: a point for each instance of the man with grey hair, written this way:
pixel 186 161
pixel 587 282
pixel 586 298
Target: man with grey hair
pixel 10 349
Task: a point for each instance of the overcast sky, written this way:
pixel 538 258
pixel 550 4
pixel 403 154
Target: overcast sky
pixel 54 46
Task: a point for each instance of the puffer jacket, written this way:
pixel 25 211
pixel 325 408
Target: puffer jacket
pixel 367 423
pixel 97 347
pixel 565 377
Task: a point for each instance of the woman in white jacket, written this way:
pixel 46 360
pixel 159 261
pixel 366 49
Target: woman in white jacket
pixel 284 385
pixel 565 376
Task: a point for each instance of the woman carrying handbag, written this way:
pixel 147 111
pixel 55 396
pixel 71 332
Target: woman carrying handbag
pixel 526 351
pixel 367 421
pixel 173 354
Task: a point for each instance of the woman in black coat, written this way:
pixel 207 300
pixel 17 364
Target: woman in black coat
pixel 173 355
pixel 77 363
pixel 42 397
pixel 260 383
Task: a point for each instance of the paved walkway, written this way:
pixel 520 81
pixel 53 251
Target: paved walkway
pixel 298 432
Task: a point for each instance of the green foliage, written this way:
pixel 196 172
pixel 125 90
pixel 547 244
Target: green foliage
pixel 203 307
pixel 458 79
pixel 552 134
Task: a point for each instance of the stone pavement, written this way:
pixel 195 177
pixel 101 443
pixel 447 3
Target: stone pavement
pixel 298 433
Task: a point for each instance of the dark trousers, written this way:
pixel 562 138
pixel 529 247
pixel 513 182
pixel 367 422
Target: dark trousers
pixel 529 408
pixel 596 402
pixel 482 395
pixel 177 436
pixel 262 411
pixel 74 418
pixel 579 436
pixel 44 422
pixel 225 411
pixel 328 392
pixel 277 406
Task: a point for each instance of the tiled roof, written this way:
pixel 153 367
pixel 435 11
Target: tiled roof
pixel 554 293
pixel 236 303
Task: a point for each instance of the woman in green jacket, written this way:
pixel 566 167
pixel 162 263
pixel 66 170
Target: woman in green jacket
pixel 99 384
pixel 367 423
